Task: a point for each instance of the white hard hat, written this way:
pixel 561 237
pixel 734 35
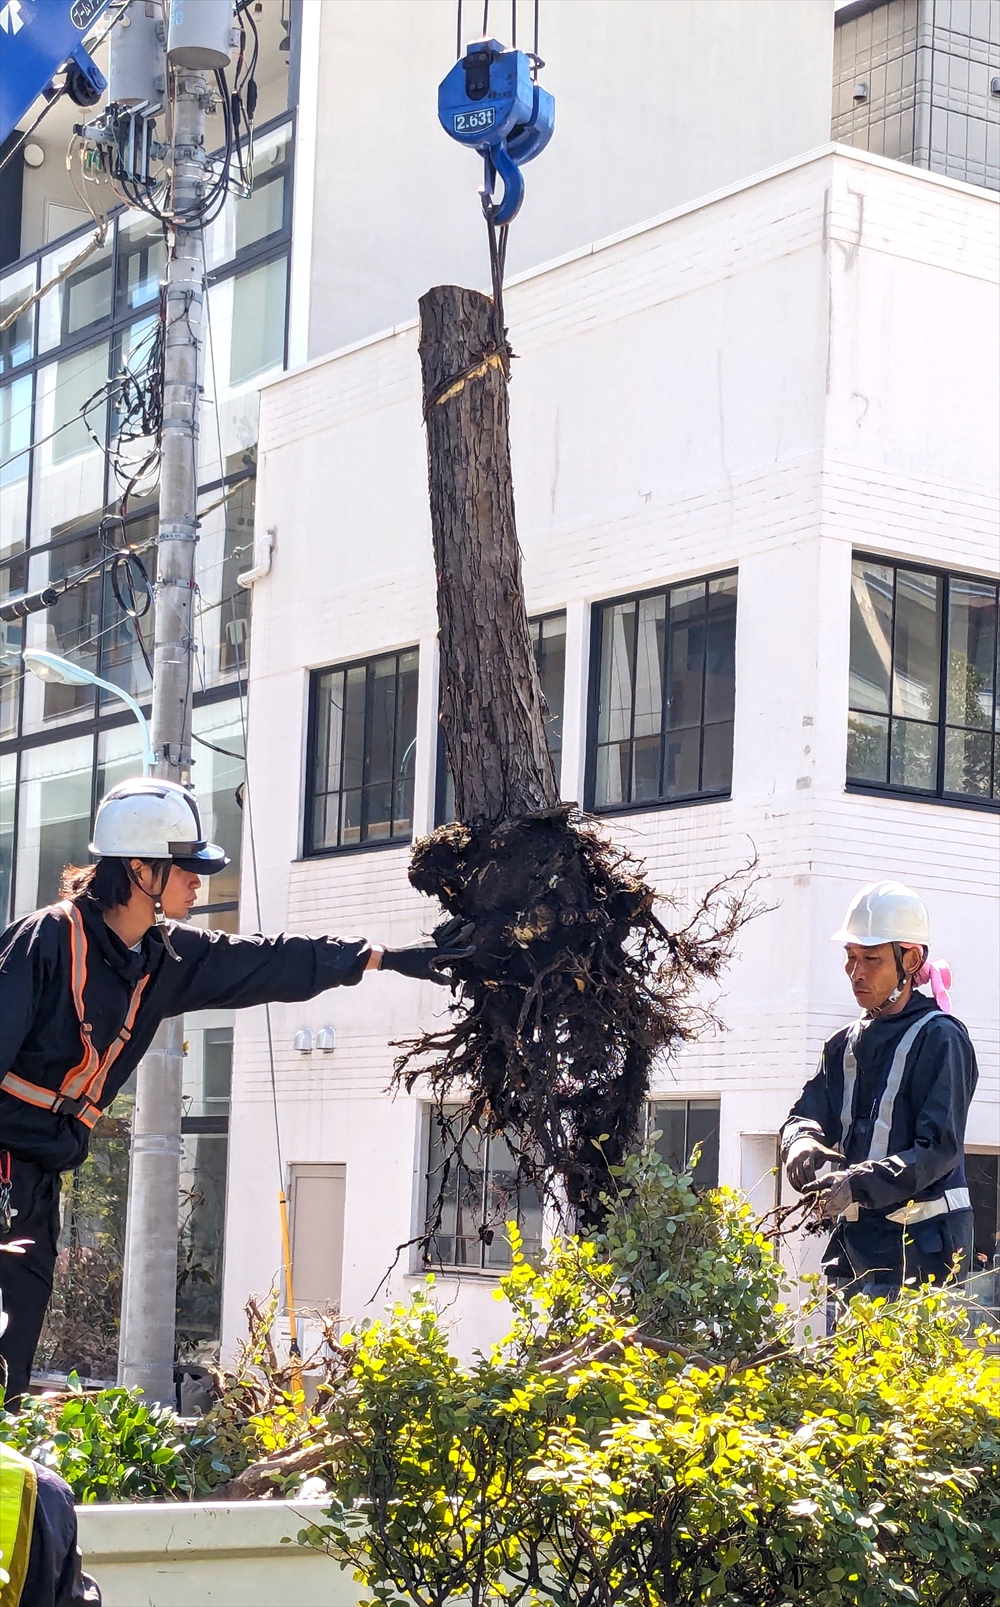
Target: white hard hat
pixel 146 818
pixel 885 912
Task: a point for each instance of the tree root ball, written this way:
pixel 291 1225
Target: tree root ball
pixel 573 992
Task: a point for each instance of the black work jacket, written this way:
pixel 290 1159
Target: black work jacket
pixel 40 1033
pixel 927 1134
pixel 55 1576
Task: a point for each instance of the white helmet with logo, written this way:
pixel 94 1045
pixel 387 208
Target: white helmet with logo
pixel 885 912
pixel 146 818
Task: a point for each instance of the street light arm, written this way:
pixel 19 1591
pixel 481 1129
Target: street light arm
pixel 148 756
pixel 52 667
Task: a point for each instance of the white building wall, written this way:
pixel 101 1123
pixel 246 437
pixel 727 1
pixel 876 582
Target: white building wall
pixel 769 378
pixel 656 103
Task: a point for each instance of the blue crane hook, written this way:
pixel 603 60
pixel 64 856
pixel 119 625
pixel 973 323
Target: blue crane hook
pixel 491 101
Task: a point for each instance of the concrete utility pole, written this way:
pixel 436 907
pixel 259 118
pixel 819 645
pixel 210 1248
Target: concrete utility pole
pixel 146 1345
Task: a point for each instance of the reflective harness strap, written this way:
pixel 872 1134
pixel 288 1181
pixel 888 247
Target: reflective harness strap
pixel 18 1488
pixel 81 1088
pixel 850 1081
pixel 887 1104
pixel 879 1147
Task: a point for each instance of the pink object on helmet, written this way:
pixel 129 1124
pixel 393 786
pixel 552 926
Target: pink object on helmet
pixel 938 974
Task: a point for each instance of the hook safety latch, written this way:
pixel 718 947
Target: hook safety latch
pixel 491 101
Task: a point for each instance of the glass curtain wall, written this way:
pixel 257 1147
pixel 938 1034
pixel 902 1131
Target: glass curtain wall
pixel 77 485
pixel 68 456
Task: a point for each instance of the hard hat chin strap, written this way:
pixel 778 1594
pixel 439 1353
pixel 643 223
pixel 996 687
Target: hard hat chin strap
pixel 159 918
pixel 902 980
pixel 162 928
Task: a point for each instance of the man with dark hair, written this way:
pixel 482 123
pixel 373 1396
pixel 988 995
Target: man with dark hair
pixel 85 983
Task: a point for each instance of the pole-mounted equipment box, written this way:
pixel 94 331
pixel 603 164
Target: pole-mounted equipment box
pixel 200 34
pixel 137 63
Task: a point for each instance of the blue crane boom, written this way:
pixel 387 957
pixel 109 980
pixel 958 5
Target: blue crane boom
pixel 37 38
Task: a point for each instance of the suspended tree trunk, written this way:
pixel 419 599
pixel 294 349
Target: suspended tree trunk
pixel 574 987
pixel 492 708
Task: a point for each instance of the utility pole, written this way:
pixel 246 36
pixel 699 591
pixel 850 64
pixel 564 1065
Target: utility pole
pixel 149 1294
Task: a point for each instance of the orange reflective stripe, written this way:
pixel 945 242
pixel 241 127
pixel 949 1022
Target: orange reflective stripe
pixel 95 1087
pixel 77 954
pixel 30 1092
pixel 78 1076
pixel 33 1094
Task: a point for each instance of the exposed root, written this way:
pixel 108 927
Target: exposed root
pixel 575 989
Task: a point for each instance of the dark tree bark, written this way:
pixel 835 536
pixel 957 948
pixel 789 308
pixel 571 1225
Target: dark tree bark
pixel 492 707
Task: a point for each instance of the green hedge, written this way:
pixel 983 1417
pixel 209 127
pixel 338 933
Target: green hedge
pixel 648 1435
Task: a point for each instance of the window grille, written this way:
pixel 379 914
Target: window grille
pixel 481 1195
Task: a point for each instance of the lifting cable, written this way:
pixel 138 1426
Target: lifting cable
pixel 527 136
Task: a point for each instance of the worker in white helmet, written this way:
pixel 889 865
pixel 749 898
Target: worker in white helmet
pixel 878 1135
pixel 85 983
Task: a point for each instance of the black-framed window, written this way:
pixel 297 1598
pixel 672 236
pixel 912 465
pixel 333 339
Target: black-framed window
pixel 924 711
pixel 362 748
pixel 685 1125
pixel 481 1195
pixel 663 692
pixel 548 637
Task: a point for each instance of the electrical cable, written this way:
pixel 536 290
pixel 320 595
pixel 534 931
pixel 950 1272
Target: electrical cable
pixel 92 245
pixel 229 753
pixel 59 93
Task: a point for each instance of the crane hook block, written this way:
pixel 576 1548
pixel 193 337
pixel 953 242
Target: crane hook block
pixel 490 100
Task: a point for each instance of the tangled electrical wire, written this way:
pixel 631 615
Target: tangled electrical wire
pixel 137 398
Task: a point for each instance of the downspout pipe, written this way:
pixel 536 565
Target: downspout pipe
pixel 263 548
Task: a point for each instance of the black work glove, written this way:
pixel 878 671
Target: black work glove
pixel 432 959
pixel 804 1159
pixel 831 1195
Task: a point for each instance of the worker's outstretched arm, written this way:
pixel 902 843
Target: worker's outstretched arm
pixel 218 971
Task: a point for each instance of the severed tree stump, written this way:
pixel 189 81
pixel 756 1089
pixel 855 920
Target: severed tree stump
pixel 492 707
pixel 574 987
